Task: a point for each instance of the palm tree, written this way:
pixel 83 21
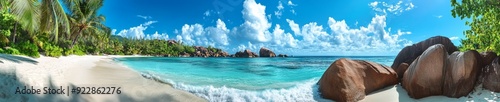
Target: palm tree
pixel 84 18
pixel 52 14
pixel 25 12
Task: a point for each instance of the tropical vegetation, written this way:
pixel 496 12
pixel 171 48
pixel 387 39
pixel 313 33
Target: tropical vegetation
pixel 483 17
pixel 34 27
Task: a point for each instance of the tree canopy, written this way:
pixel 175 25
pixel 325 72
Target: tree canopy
pixel 483 16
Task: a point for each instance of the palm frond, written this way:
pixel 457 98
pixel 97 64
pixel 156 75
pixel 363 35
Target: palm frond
pixel 27 13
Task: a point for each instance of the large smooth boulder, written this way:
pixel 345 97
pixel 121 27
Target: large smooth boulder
pixel 424 76
pixel 491 76
pixel 486 58
pixel 410 53
pixel 401 70
pixel 461 73
pixel 350 80
pixel 264 52
pixel 245 53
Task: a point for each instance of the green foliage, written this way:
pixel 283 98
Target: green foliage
pixel 179 48
pixel 189 49
pixel 12 51
pixel 52 50
pixel 7 22
pixel 210 48
pixel 484 34
pixel 28 49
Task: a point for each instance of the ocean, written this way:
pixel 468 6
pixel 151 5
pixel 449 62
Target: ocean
pixel 244 79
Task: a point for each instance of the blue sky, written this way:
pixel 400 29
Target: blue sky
pixel 294 27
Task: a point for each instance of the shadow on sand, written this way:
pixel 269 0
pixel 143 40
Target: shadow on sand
pixel 9 82
pixel 17 59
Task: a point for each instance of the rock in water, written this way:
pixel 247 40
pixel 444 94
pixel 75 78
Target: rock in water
pixel 264 52
pixel 491 76
pixel 424 76
pixel 461 72
pixel 410 53
pixel 245 53
pixel 350 80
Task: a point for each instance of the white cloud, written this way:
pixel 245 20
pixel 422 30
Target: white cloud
pixel 454 38
pixel 138 32
pixel 290 3
pixel 280 10
pixel 149 23
pixel 196 34
pixel 144 17
pixel 335 38
pixel 256 24
pixel 207 13
pixel 294 26
pixel 440 16
pixel 283 39
pixel 398 8
pixel 373 37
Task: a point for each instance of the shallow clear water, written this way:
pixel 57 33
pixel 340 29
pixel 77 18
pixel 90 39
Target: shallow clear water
pixel 243 79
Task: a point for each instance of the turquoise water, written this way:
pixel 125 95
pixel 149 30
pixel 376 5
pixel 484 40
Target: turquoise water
pixel 242 79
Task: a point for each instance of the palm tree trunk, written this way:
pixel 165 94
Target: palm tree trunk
pixel 76 37
pixel 13 35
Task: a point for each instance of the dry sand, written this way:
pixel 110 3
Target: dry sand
pixel 81 71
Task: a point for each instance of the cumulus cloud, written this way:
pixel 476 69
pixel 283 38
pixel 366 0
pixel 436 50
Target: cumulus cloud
pixel 196 34
pixel 256 31
pixel 138 32
pixel 294 26
pixel 283 39
pixel 256 24
pixel 374 36
pixel 397 8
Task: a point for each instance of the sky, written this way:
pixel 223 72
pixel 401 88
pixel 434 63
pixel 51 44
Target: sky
pixel 293 27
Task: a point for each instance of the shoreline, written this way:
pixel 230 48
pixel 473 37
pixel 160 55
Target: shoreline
pixel 82 71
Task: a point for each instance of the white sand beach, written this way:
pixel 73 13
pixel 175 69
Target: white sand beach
pixel 102 71
pixel 81 71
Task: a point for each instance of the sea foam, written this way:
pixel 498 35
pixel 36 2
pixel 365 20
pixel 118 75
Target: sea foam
pixel 305 91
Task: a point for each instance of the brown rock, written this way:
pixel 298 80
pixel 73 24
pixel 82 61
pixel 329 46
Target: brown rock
pixel 491 76
pixel 282 55
pixel 264 52
pixel 410 53
pixel 461 72
pixel 487 58
pixel 246 53
pixel 401 70
pixel 350 80
pixel 424 76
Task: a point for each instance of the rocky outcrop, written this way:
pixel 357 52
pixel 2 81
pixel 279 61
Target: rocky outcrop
pixel 461 72
pixel 424 76
pixel 204 52
pixel 282 55
pixel 491 76
pixel 486 58
pixel 245 53
pixel 264 52
pixel 410 53
pixel 401 70
pixel 350 80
